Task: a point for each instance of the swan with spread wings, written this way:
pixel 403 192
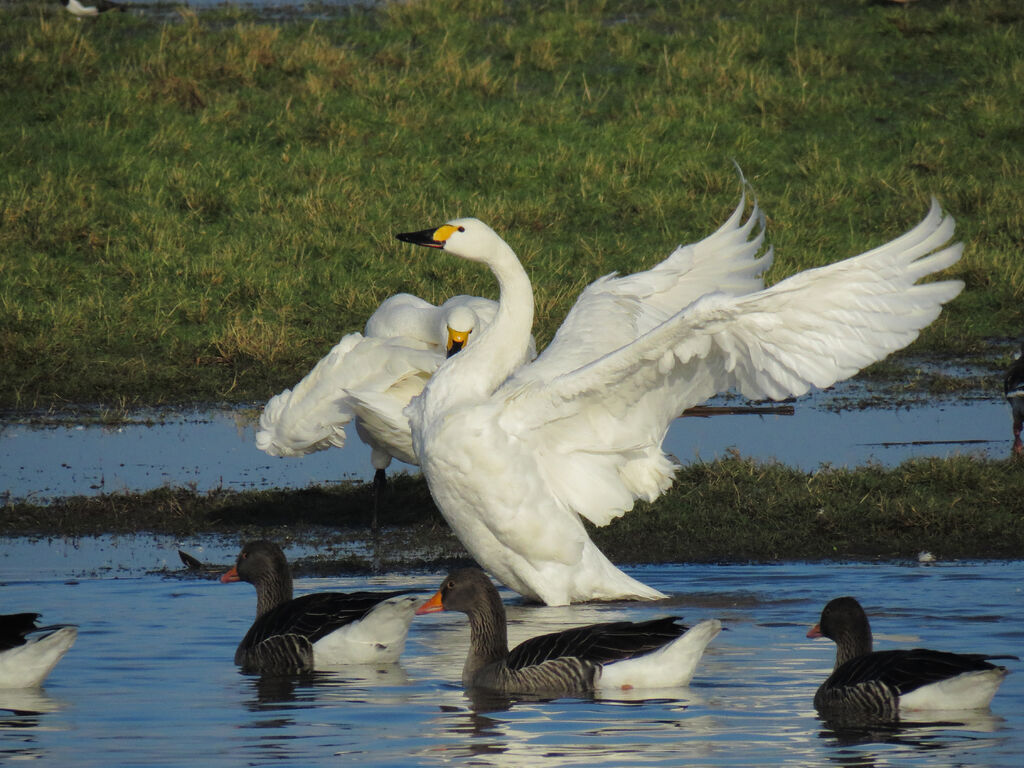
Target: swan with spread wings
pixel 516 455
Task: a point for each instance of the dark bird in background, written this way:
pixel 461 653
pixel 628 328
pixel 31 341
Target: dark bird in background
pixel 1013 388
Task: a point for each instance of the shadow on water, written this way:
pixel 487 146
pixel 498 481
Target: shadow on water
pixel 215 449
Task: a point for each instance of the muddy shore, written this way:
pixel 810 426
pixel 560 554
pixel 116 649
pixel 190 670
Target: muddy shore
pixel 732 510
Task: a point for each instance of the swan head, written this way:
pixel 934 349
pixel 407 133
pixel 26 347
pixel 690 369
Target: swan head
pixel 469 239
pixel 460 323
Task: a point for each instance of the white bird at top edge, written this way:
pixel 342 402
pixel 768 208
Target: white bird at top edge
pixel 515 455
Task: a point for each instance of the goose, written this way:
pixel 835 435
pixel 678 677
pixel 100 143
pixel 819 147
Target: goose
pixel 886 684
pixel 618 655
pixel 1013 388
pixel 319 630
pixel 369 378
pixel 28 652
pixel 514 456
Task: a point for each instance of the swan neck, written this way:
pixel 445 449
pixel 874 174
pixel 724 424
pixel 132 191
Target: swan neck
pixel 507 339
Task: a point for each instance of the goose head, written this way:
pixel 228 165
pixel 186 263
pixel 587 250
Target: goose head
pixel 262 563
pixel 467 590
pixel 468 239
pixel 844 622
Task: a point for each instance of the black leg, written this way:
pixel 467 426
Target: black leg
pixel 380 481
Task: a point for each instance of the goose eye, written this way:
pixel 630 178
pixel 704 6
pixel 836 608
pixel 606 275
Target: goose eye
pixel 450 585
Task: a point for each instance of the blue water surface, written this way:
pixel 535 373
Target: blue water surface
pixel 151 681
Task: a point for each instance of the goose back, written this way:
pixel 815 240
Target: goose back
pixel 282 638
pixel 14 627
pixel 874 683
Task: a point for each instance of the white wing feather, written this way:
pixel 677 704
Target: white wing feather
pixel 597 430
pixel 612 311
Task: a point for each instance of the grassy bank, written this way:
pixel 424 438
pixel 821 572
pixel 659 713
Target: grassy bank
pixel 731 510
pixel 196 206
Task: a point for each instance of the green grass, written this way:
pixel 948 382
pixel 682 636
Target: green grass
pixel 194 207
pixel 735 510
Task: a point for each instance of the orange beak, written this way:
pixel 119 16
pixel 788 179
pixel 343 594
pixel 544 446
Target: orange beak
pixel 230 576
pixel 815 631
pixel 433 605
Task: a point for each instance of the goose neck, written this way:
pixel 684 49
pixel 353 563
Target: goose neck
pixel 272 589
pixel 488 639
pixel 852 645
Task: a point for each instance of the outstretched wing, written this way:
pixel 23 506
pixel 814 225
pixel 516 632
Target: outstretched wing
pixel 312 416
pixel 613 311
pixel 597 430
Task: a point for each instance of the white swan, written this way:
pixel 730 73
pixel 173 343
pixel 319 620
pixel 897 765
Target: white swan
pixel 514 456
pixel 369 378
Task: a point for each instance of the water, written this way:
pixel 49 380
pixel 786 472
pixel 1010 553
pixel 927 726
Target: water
pixel 215 449
pixel 151 680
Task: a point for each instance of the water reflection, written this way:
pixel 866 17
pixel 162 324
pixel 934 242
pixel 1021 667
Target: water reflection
pixel 864 743
pixel 27 701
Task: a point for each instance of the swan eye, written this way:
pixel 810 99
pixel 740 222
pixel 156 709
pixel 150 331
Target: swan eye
pixel 462 229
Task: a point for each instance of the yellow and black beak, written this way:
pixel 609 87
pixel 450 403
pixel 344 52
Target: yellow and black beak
pixel 456 341
pixel 431 238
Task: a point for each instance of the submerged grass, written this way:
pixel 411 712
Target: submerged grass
pixel 728 510
pixel 196 207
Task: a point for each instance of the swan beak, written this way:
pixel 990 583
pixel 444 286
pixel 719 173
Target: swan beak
pixel 815 631
pixel 456 341
pixel 433 605
pixel 230 576
pixel 431 238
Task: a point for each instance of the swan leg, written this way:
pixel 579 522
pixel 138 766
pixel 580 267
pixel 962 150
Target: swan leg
pixel 380 481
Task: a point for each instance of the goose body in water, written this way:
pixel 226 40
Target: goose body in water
pixel 28 652
pixel 318 630
pixel 615 655
pixel 515 456
pixel 886 684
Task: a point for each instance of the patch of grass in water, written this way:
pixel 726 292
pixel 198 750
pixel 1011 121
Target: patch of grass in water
pixel 728 510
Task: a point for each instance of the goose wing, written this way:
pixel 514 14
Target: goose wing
pixel 597 430
pixel 903 671
pixel 314 615
pixel 597 643
pixel 14 627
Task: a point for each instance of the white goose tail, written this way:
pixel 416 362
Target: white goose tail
pixel 26 666
pixel 670 666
